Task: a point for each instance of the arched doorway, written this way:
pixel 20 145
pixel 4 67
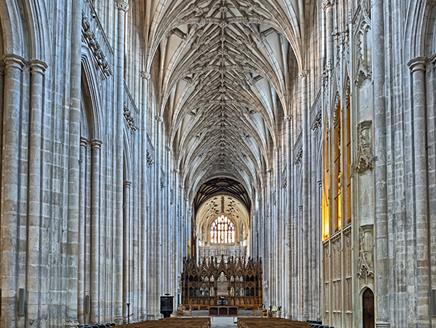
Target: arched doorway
pixel 368 309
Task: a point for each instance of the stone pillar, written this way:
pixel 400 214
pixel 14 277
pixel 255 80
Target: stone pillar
pixel 126 248
pixel 13 76
pixel 305 189
pixel 2 75
pixel 144 191
pixel 380 172
pixel 82 232
pixel 418 68
pixel 95 240
pixel 287 218
pixel 328 8
pixel 73 162
pixel 122 6
pixel 35 295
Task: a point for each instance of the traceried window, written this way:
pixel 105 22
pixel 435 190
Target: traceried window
pixel 222 231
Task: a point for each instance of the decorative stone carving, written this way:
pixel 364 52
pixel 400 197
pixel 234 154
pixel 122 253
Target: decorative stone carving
pixel 284 179
pixel 129 119
pixel 145 75
pixel 122 5
pixel 149 159
pixel 365 158
pixel 366 252
pixel 94 45
pixel 298 156
pixel 317 122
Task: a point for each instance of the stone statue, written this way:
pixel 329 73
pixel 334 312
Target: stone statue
pixel 366 253
pixel 364 154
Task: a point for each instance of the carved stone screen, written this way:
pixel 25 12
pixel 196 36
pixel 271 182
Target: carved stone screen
pixel 237 280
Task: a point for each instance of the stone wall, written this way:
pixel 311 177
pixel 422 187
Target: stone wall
pixel 86 191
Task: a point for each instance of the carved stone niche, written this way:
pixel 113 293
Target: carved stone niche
pixel 365 158
pixel 362 45
pixel 365 261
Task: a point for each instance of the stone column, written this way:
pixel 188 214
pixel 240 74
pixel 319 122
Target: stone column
pixel 13 76
pixel 418 68
pixel 35 296
pixel 73 161
pixel 122 6
pixel 95 241
pixel 126 248
pixel 328 8
pixel 380 173
pixel 305 189
pixel 2 75
pixel 144 189
pixel 82 231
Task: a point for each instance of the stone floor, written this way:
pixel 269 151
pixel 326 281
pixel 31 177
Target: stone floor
pixel 222 322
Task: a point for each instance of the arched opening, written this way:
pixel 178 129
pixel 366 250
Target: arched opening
pixel 337 211
pixel 222 222
pixel 368 309
pixel 89 208
pixel 222 228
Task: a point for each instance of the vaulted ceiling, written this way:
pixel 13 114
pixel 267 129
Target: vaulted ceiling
pixel 223 68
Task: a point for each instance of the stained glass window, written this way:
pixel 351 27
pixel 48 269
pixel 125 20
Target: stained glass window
pixel 222 231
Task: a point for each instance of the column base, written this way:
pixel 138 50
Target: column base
pixel 71 323
pixel 382 324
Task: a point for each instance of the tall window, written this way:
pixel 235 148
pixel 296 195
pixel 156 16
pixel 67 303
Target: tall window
pixel 222 231
pixel 347 165
pixel 326 184
pixel 337 171
pixel 337 168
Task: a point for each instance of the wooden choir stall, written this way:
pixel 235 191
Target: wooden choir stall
pixel 222 286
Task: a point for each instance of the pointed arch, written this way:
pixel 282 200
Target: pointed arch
pixel 91 96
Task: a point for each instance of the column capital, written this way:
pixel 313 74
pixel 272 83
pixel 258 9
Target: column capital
pixel 83 142
pixel 13 61
pixel 122 5
pixel 145 75
pixel 127 184
pixel 38 66
pixel 417 64
pixel 302 74
pixel 327 4
pixel 433 59
pixel 96 144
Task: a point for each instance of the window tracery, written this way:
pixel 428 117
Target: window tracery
pixel 222 231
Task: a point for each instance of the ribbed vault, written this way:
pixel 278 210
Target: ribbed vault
pixel 224 79
pixel 221 186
